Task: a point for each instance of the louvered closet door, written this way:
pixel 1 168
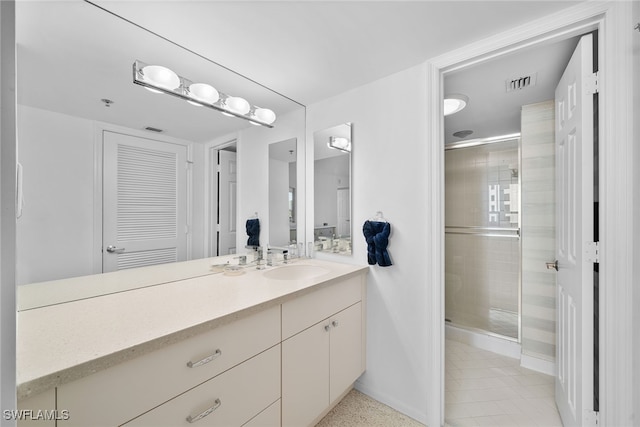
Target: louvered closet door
pixel 144 202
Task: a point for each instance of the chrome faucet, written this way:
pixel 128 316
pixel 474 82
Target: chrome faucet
pixel 275 249
pixel 257 257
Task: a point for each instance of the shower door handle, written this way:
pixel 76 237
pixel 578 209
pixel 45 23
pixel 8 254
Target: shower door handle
pixel 552 265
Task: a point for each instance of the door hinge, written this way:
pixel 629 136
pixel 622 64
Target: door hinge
pixel 186 229
pixel 591 83
pixel 592 252
pixel 188 164
pixel 218 228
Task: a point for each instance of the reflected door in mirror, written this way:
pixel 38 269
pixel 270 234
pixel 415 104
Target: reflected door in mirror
pixel 145 202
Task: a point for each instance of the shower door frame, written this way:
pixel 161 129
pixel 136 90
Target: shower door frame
pixel 487 141
pixel 613 21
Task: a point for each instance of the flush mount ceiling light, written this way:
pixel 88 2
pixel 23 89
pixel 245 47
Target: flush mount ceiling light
pixel 339 143
pixel 160 79
pixel 454 103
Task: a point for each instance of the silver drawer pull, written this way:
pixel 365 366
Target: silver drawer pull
pixel 206 360
pixel 216 405
pixel 335 323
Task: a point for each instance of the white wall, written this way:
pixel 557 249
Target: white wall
pixel 7 209
pixel 56 232
pixel 389 175
pixel 636 215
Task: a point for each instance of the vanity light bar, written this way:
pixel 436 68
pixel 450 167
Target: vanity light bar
pixel 162 80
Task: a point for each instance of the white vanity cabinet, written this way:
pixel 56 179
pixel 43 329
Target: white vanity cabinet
pixel 118 394
pixel 259 351
pixel 322 350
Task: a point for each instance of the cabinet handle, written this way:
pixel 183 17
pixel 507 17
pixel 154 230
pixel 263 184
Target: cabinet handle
pixel 327 327
pixel 216 405
pixel 206 360
pixel 335 323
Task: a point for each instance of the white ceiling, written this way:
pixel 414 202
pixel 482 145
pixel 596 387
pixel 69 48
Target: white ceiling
pixel 311 50
pixel 492 111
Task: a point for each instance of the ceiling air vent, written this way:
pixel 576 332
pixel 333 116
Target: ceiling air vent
pixel 152 129
pixel 521 82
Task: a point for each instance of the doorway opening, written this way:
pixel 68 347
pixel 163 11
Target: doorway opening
pixel 222 199
pixel 510 94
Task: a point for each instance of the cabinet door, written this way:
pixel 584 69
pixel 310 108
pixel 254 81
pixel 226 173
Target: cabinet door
pixel 346 362
pixel 305 375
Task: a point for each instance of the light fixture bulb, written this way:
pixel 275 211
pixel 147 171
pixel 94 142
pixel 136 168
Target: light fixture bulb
pixel 204 92
pixel 454 103
pixel 160 76
pixel 237 105
pixel 265 115
pixel 340 143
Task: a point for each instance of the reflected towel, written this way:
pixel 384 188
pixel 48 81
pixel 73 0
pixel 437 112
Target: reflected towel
pixel 253 231
pixel 377 234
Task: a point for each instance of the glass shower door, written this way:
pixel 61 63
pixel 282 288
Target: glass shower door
pixel 482 238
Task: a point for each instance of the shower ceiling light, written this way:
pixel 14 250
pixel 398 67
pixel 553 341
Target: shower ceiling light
pixel 160 79
pixel 454 103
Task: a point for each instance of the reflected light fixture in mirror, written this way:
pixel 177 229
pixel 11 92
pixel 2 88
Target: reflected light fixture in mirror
pixel 160 79
pixel 340 143
pixel 454 102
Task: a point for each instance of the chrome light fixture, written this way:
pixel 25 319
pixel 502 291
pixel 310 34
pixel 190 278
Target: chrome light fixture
pixel 339 143
pixel 159 79
pixel 454 103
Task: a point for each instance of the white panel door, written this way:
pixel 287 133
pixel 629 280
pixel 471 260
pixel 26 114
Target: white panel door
pixel 144 202
pixel 227 203
pixel 574 222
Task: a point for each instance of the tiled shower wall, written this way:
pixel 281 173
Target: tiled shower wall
pixel 538 230
pixel 482 273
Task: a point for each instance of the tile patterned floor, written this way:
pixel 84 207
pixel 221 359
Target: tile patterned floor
pixel 486 389
pixel 482 389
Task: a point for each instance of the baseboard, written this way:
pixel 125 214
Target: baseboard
pixel 537 364
pixel 484 341
pixel 391 402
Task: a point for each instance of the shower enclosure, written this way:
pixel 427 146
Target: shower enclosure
pixel 482 236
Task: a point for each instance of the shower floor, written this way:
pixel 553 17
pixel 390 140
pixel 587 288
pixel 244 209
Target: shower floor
pixel 499 322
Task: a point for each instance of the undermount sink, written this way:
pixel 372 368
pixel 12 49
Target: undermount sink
pixel 295 272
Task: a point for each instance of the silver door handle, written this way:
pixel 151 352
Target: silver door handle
pixel 552 265
pixel 113 250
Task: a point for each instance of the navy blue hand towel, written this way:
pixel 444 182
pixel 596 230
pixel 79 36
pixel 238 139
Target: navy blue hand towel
pixel 253 231
pixel 376 234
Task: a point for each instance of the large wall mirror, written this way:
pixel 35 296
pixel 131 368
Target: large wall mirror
pixel 332 227
pixel 79 113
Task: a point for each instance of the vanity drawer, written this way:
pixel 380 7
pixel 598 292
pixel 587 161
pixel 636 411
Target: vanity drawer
pixel 124 391
pixel 307 310
pixel 230 399
pixel 270 417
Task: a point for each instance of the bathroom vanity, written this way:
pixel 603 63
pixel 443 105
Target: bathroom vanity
pixel 272 347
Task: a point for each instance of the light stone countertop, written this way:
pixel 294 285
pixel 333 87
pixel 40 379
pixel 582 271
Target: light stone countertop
pixel 60 343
